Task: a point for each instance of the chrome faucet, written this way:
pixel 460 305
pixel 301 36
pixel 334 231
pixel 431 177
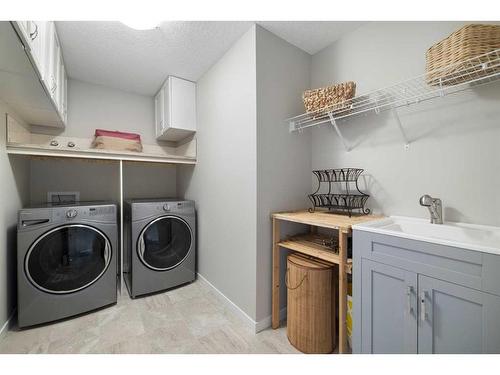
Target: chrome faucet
pixel 435 208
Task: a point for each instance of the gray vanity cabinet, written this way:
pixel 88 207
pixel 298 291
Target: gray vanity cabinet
pixel 416 297
pixel 387 327
pixel 455 319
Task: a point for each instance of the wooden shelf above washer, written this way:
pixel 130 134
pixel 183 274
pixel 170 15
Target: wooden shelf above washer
pixel 20 141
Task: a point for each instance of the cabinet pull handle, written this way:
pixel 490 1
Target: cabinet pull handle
pixel 409 291
pixel 34 34
pixel 54 85
pixel 423 312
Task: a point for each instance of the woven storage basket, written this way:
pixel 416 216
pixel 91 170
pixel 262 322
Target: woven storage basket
pixel 466 43
pixel 329 98
pixel 311 302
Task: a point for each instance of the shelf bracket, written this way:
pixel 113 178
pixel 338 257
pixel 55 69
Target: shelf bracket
pixel 400 126
pixel 336 127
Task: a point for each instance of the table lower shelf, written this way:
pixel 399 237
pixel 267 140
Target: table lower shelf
pixel 308 244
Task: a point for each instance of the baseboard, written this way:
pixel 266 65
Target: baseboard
pixel 266 322
pixel 8 324
pixel 245 318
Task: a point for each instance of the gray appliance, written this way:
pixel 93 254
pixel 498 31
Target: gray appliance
pixel 66 260
pixel 159 244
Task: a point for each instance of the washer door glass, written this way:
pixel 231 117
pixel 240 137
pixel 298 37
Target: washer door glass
pixel 68 259
pixel 164 243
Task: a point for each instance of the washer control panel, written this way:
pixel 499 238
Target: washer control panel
pixel 102 213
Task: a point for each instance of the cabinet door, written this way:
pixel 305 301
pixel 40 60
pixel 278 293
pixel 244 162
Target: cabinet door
pixel 388 309
pixel 36 36
pixel 61 74
pixel 53 63
pixel 159 112
pixel 24 28
pixel 63 90
pixel 181 99
pixel 65 98
pixel 455 319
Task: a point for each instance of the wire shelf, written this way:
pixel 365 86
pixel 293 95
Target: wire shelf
pixel 438 83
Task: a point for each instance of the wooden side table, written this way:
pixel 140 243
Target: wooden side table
pixel 307 244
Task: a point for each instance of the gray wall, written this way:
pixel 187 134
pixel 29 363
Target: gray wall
pixel 93 107
pixel 283 159
pixel 223 183
pixel 100 180
pixel 14 194
pixel 454 150
pixel 149 180
pixel 94 179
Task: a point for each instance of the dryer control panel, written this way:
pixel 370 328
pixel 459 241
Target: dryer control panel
pixel 146 209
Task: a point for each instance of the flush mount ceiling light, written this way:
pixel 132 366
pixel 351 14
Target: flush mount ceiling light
pixel 142 24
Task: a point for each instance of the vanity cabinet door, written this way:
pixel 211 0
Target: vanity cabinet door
pixel 388 310
pixel 456 319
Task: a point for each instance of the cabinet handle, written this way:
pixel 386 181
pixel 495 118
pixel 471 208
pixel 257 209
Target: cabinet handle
pixel 54 85
pixel 409 291
pixel 34 34
pixel 423 312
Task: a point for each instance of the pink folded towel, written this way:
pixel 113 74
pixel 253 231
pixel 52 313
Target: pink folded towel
pixel 115 140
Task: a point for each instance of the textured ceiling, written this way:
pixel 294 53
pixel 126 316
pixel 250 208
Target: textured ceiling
pixel 114 55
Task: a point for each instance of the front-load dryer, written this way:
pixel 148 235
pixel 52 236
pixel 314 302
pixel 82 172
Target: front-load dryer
pixel 66 261
pixel 159 244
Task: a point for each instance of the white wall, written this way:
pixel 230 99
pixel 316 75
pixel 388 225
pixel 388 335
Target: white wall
pixel 283 159
pixel 93 107
pixel 223 183
pixel 454 151
pixel 14 194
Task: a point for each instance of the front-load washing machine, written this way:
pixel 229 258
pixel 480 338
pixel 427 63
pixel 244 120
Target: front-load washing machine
pixel 66 260
pixel 159 244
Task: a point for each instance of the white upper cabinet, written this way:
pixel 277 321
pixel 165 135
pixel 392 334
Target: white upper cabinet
pixel 44 50
pixel 175 109
pixel 159 112
pixel 52 76
pixel 33 35
pixel 63 93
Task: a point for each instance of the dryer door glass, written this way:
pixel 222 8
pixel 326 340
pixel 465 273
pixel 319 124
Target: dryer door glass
pixel 67 259
pixel 164 243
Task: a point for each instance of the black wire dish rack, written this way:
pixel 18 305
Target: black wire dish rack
pixel 343 194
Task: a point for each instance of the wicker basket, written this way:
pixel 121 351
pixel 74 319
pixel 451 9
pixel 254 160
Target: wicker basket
pixel 311 302
pixel 329 98
pixel 466 43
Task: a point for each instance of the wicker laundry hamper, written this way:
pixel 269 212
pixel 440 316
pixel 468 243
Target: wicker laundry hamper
pixel 447 61
pixel 332 98
pixel 311 302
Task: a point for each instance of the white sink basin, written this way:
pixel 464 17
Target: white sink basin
pixel 466 236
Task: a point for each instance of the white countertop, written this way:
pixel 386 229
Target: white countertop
pixel 466 236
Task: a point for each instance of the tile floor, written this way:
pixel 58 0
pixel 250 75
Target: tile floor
pixel 189 319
